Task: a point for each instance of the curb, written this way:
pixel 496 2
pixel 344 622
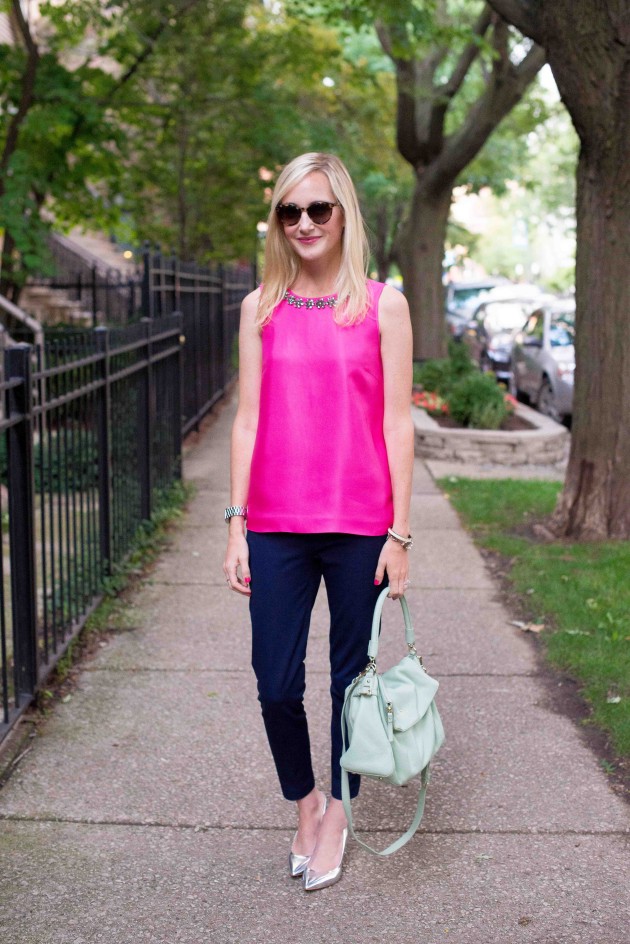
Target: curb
pixel 546 444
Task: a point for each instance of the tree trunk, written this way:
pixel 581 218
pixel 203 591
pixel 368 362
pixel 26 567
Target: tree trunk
pixel 9 285
pixel 420 254
pixel 588 49
pixel 381 250
pixel 595 502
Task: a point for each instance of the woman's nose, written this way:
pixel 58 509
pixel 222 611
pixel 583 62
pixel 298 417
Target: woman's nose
pixel 305 221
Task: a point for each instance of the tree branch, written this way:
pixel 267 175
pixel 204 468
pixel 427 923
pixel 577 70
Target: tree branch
pixel 25 32
pixel 524 14
pixel 385 39
pixel 501 45
pixel 27 92
pixel 470 53
pixel 144 54
pixel 419 119
pixel 406 131
pixel 505 89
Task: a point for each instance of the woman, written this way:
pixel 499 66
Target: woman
pixel 322 458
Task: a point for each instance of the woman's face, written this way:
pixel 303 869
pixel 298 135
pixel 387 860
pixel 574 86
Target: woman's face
pixel 310 241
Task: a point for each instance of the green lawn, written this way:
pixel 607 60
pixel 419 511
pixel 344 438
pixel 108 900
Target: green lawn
pixel 581 592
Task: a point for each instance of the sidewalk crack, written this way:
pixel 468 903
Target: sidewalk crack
pixel 245 827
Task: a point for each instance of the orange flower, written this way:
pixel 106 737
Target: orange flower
pixel 510 402
pixel 429 401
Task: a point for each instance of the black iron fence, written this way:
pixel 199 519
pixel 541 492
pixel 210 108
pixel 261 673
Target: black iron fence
pixel 111 296
pixel 209 299
pixel 90 441
pixel 163 284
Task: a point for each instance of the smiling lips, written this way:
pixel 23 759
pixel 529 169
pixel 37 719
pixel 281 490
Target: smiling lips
pixel 307 239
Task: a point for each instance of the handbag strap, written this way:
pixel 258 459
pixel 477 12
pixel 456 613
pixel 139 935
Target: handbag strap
pixel 376 623
pixel 406 836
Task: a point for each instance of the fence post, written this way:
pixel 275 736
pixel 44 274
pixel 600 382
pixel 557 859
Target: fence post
pixel 158 285
pixel 147 294
pixel 225 373
pixel 131 287
pixel 103 398
pixel 94 297
pixel 194 340
pixel 107 288
pixel 146 424
pixel 22 521
pixel 178 410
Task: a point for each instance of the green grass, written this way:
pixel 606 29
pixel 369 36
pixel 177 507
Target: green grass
pixel 581 592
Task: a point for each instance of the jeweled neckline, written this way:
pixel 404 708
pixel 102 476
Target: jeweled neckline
pixel 299 301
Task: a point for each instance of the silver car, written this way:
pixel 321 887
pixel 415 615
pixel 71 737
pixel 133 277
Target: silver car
pixel 543 359
pixel 463 297
pixel 489 332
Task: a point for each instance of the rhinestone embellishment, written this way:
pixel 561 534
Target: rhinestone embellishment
pixel 330 301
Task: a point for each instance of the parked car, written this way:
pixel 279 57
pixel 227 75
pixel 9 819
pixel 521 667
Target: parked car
pixel 543 359
pixel 489 332
pixel 462 296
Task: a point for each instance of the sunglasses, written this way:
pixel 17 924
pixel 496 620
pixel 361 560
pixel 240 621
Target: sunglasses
pixel 319 212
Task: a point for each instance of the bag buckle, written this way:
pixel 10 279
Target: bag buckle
pixel 414 652
pixel 369 685
pixel 370 667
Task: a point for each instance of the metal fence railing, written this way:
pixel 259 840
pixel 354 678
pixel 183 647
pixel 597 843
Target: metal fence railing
pixel 112 296
pixel 209 299
pixel 91 426
pixel 90 442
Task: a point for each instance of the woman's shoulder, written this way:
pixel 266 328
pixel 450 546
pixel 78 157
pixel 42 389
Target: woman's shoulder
pixel 253 297
pixel 249 305
pixel 392 306
pixel 383 290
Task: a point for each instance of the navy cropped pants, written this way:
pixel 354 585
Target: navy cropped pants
pixel 286 571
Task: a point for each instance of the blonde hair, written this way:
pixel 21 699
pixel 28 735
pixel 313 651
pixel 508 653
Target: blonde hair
pixel 282 265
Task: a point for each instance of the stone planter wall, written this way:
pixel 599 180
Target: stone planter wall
pixel 546 444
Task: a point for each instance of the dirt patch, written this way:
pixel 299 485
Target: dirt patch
pixel 538 531
pixel 511 424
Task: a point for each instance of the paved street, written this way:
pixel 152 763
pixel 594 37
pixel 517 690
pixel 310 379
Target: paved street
pixel 148 811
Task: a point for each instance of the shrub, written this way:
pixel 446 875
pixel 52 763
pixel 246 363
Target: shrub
pixel 439 376
pixel 435 376
pixel 460 359
pixel 477 400
pixel 454 385
pixel 71 463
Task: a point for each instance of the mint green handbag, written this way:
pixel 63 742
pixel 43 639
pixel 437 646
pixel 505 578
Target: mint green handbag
pixel 390 724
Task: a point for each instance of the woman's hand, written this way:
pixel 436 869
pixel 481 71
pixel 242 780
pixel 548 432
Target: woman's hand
pixel 237 556
pixel 395 560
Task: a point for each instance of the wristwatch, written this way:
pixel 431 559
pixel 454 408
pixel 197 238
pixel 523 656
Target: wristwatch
pixel 235 510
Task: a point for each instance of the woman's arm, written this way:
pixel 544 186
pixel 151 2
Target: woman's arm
pixel 396 355
pixel 243 438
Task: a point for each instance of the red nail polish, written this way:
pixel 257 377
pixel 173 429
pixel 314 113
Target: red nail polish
pixel 247 579
pixel 376 583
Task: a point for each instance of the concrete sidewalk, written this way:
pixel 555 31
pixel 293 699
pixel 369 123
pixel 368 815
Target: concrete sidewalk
pixel 148 811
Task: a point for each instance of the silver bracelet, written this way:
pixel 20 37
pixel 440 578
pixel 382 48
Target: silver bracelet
pixel 399 539
pixel 235 510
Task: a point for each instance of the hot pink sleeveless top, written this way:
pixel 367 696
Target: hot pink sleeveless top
pixel 319 461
